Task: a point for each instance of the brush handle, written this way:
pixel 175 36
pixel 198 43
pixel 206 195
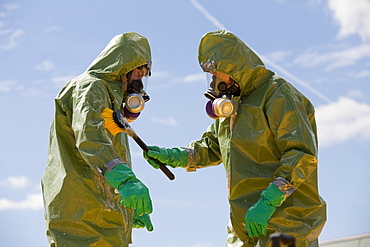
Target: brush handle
pixel 162 166
pixel 122 122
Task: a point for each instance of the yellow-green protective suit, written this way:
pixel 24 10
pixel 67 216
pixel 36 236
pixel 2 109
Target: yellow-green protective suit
pixel 81 209
pixel 272 134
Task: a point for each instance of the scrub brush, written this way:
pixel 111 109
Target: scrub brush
pixel 115 125
pixel 116 122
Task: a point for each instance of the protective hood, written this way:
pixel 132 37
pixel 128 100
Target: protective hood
pixel 123 53
pixel 217 53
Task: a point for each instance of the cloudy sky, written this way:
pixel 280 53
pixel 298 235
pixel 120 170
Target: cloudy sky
pixel 321 46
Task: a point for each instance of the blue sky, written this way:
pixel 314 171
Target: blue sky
pixel 321 46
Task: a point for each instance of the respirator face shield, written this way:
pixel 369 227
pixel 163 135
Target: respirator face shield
pixel 137 80
pixel 216 86
pixel 220 92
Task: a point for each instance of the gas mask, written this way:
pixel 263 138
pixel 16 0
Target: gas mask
pixel 135 101
pixel 220 94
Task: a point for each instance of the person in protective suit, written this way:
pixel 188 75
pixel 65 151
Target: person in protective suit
pixel 265 136
pixel 91 195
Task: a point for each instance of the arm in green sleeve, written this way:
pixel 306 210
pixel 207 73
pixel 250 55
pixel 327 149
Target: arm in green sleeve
pixel 202 153
pixel 257 217
pixel 207 149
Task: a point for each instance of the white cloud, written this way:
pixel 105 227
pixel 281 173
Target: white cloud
pixel 8 9
pixel 45 66
pixel 170 121
pixel 352 16
pixel 11 6
pixel 193 78
pixel 14 182
pixel 2 15
pixel 360 74
pixel 13 86
pixel 160 74
pixel 52 29
pixel 343 120
pixel 334 59
pixel 201 245
pixel 164 79
pixel 357 94
pixel 281 1
pixel 11 40
pixel 30 92
pixel 278 56
pixel 8 85
pixel 61 80
pixel 32 201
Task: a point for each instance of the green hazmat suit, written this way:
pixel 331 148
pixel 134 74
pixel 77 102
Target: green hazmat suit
pixel 271 134
pixel 81 209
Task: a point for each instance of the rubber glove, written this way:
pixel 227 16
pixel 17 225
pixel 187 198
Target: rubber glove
pixel 174 157
pixel 141 221
pixel 133 193
pixel 257 217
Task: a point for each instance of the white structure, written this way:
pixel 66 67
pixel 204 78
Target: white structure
pixel 353 241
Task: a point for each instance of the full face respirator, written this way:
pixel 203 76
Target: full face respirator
pixel 135 101
pixel 220 94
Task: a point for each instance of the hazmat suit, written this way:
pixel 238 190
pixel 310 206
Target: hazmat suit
pixel 81 208
pixel 270 137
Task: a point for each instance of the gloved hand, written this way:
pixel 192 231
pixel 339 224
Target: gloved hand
pixel 142 221
pixel 134 194
pixel 174 157
pixel 257 217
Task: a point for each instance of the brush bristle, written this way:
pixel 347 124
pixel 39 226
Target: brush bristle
pixel 109 122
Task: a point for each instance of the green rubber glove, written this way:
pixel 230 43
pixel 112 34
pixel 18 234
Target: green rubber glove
pixel 174 157
pixel 134 194
pixel 257 217
pixel 142 221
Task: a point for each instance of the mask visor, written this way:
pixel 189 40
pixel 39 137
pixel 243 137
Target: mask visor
pixel 213 91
